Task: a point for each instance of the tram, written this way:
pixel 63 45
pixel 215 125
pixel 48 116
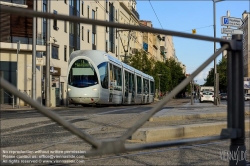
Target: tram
pixel 95 77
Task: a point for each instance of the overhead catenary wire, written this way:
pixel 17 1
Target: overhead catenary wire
pixel 160 24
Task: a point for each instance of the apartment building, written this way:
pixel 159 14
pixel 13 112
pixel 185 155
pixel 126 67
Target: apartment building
pixel 246 43
pixel 64 37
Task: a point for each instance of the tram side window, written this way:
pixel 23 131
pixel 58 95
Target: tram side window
pixel 132 78
pixel 146 86
pixel 126 81
pixel 152 87
pixel 103 71
pixel 111 76
pixel 117 78
pixel 138 84
pixel 131 82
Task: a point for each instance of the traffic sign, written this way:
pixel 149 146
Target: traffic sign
pixel 237 31
pixel 226 31
pixel 231 31
pixel 227 37
pixel 231 21
pixel 39 62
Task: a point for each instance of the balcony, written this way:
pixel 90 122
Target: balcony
pixel 21 2
pixel 23 40
pixel 135 13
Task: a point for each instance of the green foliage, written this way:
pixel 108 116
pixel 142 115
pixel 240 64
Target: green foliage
pixel 141 62
pixel 169 74
pixel 222 70
pixel 177 75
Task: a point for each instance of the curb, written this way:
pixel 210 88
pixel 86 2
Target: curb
pixel 180 132
pixel 190 116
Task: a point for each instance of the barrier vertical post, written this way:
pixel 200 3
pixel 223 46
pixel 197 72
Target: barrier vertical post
pixel 235 107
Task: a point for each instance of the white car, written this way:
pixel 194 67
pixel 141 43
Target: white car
pixel 247 96
pixel 207 96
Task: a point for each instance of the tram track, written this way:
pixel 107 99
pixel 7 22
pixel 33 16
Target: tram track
pixel 89 131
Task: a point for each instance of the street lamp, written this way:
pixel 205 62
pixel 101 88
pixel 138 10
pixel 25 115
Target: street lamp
pixel 215 67
pixel 159 82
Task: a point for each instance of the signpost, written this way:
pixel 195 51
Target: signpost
pixel 226 37
pixel 231 21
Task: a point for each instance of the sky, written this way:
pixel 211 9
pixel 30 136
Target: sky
pixel 185 15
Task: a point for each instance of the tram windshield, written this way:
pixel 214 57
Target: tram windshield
pixel 82 74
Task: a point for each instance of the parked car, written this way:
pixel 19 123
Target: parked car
pixel 247 97
pixel 223 96
pixel 207 96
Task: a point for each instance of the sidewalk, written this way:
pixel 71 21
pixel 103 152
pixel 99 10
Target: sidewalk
pixel 196 114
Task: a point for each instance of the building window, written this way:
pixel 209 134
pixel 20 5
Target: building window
pixel 88 11
pixel 93 14
pixel 55 51
pixel 78 30
pixel 116 15
pixel 55 22
pixel 71 49
pixel 88 36
pixel 65 53
pixel 65 26
pixel 71 28
pixel 93 38
pixel 82 33
pixel 82 8
pixel 106 46
pixel 106 6
pixel 107 28
pixel 116 51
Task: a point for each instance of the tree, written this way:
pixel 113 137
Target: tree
pixel 164 78
pixel 222 70
pixel 177 75
pixel 141 62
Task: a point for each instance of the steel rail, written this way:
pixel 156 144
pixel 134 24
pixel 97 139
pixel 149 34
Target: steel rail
pixel 174 92
pixel 52 115
pixel 31 13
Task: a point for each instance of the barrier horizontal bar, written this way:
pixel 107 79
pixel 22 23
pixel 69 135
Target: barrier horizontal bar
pixel 173 143
pixel 55 117
pixel 31 13
pixel 174 92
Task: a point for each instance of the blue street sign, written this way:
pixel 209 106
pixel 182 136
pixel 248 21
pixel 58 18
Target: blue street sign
pixel 226 21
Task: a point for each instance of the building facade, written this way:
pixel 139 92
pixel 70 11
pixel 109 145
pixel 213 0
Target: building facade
pixel 63 37
pixel 246 43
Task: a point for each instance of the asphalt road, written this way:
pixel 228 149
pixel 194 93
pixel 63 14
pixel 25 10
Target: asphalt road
pixel 30 131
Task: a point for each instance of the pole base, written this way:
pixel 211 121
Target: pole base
pixel 238 155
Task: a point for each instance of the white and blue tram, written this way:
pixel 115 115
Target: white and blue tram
pixel 95 77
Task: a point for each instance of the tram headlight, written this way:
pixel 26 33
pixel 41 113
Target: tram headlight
pixel 94 89
pixel 69 89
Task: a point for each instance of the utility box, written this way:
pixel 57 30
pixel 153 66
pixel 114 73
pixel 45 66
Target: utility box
pixel 57 95
pixel 52 97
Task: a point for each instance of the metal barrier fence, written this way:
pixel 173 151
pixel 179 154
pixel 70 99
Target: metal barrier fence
pixel 235 110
